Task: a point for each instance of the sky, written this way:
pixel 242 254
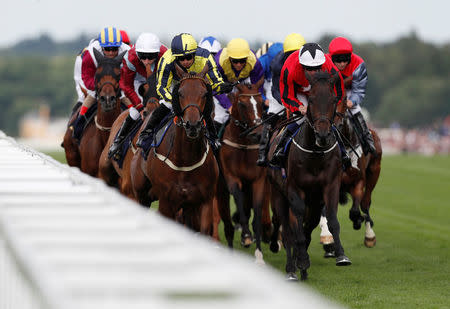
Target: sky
pixel 266 20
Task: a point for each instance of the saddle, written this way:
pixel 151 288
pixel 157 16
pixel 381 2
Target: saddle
pixel 157 139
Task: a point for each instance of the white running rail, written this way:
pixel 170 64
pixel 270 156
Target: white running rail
pixel 67 241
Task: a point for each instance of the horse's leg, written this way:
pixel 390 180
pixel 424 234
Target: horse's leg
pixel 71 150
pixel 258 200
pixel 106 169
pixel 356 191
pixel 331 198
pixel 372 174
pixel 140 183
pixel 298 207
pixel 266 222
pixel 326 239
pixel 223 203
pixel 311 221
pixel 282 210
pixel 238 194
pixel 206 218
pixel 276 199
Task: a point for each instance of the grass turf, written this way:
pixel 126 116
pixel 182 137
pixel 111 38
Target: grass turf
pixel 410 265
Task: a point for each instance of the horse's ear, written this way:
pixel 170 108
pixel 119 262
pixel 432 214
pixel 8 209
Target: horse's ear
pixel 231 96
pixel 119 57
pixel 240 87
pixel 180 72
pixel 204 71
pixel 259 83
pixel 309 77
pixel 98 56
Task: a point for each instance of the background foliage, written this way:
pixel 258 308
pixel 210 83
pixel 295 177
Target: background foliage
pixel 408 79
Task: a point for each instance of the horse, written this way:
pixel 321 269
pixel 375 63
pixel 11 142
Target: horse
pixel 311 178
pixel 244 179
pixel 86 154
pixel 358 182
pixel 110 170
pixel 182 172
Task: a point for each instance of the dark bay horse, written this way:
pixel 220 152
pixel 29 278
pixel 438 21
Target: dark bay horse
pixel 182 171
pixel 109 169
pixel 243 178
pixel 313 178
pixel 359 181
pixel 86 155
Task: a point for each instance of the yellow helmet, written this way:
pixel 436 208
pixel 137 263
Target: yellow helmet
pixel 293 41
pixel 238 49
pixel 183 44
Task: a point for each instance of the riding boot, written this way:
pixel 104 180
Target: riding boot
pixel 127 125
pixel 220 128
pixel 346 160
pixel 364 134
pixel 263 143
pixel 212 134
pixel 279 154
pixel 78 127
pixel 149 130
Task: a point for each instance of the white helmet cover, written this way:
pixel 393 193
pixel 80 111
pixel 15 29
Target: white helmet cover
pixel 311 55
pixel 211 44
pixel 148 43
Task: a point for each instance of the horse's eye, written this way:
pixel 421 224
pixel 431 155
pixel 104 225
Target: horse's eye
pixel 102 99
pixel 113 98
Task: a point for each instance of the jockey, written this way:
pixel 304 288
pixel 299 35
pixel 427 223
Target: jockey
pixel 265 60
pixel 125 38
pixel 191 58
pixel 211 44
pixel 353 70
pixel 236 63
pixel 294 88
pixel 138 64
pixel 292 42
pixel 109 43
pixel 263 49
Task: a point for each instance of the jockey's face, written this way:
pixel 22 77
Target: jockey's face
pixel 238 64
pixel 147 58
pixel 341 60
pixel 312 70
pixel 341 65
pixel 110 52
pixel 186 61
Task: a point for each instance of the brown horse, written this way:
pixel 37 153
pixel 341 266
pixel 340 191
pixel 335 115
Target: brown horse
pixel 86 154
pixel 313 178
pixel 358 182
pixel 182 171
pixel 244 179
pixel 109 169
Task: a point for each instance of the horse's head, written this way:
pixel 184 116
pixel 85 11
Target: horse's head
pixel 322 105
pixel 107 78
pixel 150 97
pixel 247 108
pixel 191 99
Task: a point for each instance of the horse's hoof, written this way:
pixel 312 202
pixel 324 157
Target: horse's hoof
pixel 303 274
pixel 274 247
pixel 246 240
pixel 343 261
pixel 329 254
pixel 370 242
pixel 326 240
pixel 329 251
pixel 291 277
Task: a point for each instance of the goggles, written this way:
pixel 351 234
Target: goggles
pixel 111 48
pixel 341 58
pixel 316 68
pixel 236 61
pixel 185 57
pixel 149 56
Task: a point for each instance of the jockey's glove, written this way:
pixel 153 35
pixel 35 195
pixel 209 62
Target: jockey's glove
pixel 226 87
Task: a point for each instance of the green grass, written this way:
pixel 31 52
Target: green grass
pixel 410 265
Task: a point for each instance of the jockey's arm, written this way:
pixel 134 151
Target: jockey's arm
pixel 359 84
pixel 88 72
pixel 164 80
pixel 127 84
pixel 287 90
pixel 213 74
